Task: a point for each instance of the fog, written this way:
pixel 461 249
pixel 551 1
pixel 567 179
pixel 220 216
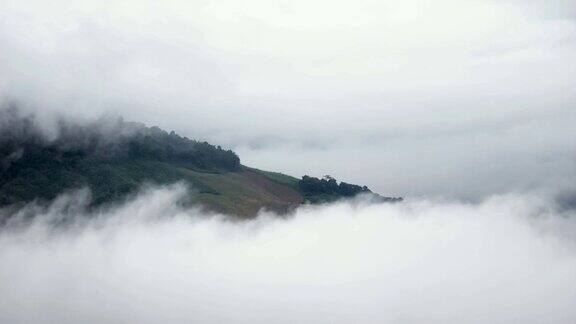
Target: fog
pixel 461 99
pixel 509 259
pixel 464 107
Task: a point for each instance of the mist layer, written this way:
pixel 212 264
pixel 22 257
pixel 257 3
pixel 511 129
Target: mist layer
pixel 508 259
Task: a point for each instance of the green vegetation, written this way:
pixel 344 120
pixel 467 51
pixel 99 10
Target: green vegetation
pixel 108 180
pixel 278 177
pixel 112 159
pixel 115 158
pixel 327 189
pixel 156 144
pixel 245 192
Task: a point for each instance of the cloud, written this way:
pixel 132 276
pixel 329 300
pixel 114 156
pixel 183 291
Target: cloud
pixel 508 259
pixel 462 99
pixel 479 89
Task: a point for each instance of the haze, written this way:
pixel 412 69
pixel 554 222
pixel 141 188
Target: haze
pixel 465 108
pixel 460 99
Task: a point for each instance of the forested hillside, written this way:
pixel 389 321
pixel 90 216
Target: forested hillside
pixel 114 158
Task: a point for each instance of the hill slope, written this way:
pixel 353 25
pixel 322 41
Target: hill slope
pixel 114 158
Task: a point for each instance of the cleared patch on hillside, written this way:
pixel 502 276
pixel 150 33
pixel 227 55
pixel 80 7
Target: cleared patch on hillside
pixel 244 193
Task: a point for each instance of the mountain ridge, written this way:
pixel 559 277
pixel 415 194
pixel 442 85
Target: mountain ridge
pixel 114 158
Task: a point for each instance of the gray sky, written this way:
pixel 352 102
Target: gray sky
pixel 469 99
pixel 454 98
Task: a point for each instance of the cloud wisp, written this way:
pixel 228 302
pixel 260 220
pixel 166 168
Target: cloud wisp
pixel 508 259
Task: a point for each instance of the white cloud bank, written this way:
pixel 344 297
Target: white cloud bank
pixel 510 259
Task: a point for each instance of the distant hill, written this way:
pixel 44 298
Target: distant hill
pixel 115 158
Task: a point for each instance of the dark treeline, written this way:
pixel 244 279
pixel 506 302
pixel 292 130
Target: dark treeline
pixel 111 157
pixel 329 186
pixel 328 189
pixel 106 139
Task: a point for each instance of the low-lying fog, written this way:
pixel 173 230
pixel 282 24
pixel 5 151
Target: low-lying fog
pixel 472 101
pixel 509 259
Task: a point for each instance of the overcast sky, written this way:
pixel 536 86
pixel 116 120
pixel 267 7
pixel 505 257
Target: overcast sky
pixel 460 99
pixel 436 101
